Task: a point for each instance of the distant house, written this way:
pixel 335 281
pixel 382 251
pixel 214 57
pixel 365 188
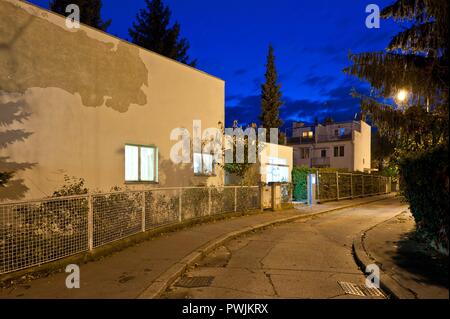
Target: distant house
pixel 344 145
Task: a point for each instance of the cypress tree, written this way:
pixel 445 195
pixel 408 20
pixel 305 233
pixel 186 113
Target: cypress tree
pixel 152 31
pixel 271 97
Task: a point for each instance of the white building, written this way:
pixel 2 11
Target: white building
pixel 338 145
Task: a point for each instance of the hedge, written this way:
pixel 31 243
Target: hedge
pixel 424 183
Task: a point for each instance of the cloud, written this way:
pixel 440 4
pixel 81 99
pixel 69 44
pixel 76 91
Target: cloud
pixel 337 103
pixel 240 72
pixel 319 81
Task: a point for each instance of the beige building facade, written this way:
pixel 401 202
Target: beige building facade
pixel 82 103
pixel 345 145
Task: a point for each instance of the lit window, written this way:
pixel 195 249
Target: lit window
pixel 342 131
pixel 141 163
pixel 203 164
pixel 277 170
pixel 308 134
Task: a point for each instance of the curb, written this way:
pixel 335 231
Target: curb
pixel 363 259
pixel 169 276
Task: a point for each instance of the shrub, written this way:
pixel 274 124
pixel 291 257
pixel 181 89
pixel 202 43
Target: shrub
pixel 425 185
pixel 299 179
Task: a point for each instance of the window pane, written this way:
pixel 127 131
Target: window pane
pixel 147 164
pixel 277 173
pixel 336 151
pixel 197 163
pixel 131 163
pixel 342 150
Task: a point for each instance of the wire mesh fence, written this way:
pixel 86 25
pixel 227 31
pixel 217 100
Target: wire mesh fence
pixel 337 185
pixel 40 231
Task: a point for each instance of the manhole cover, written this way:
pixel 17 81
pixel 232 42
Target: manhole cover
pixel 193 282
pixel 360 290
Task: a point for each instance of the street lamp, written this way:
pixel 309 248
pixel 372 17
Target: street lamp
pixel 402 95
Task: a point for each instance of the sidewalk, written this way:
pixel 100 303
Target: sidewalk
pixel 127 273
pixel 408 262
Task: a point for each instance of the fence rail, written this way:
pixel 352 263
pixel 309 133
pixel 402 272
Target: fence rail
pixel 336 185
pixel 39 231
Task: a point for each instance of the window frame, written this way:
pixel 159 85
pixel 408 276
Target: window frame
pixel 155 165
pixel 339 151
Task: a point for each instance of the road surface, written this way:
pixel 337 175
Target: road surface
pixel 303 259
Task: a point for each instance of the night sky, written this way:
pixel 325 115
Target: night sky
pixel 311 39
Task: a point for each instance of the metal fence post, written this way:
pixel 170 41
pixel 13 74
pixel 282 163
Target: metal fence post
pixel 235 199
pixel 90 223
pixel 143 211
pixel 180 211
pixel 373 186
pixel 209 201
pixel 337 185
pixel 362 185
pixel 317 185
pixel 351 185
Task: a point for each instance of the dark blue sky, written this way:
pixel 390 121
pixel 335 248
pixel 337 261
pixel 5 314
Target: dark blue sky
pixel 311 40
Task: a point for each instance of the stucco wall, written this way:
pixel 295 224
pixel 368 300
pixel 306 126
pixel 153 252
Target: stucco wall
pixel 362 142
pixel 71 99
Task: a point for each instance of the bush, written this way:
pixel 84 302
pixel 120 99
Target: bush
pixel 425 185
pixel 299 179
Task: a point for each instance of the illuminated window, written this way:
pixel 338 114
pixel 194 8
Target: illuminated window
pixel 308 134
pixel 141 163
pixel 277 170
pixel 203 164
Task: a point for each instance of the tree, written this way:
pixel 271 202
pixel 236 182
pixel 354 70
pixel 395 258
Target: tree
pixel 152 31
pixel 271 96
pixel 4 178
pixel 415 64
pixel 382 151
pixel 90 11
pixel 328 120
pixel 409 105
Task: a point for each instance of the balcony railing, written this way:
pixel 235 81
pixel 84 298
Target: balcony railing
pixel 300 140
pixel 330 137
pixel 320 161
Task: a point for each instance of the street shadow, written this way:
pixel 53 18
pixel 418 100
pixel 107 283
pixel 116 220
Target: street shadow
pixel 415 256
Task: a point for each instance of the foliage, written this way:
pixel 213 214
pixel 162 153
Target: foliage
pixel 425 185
pixel 382 150
pixel 72 186
pixel 152 31
pixel 5 177
pixel 271 96
pixel 299 179
pixel 417 53
pixel 90 11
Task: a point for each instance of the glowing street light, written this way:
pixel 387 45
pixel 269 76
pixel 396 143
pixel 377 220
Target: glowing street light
pixel 402 95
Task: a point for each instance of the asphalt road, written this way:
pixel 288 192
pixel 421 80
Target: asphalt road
pixel 303 259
